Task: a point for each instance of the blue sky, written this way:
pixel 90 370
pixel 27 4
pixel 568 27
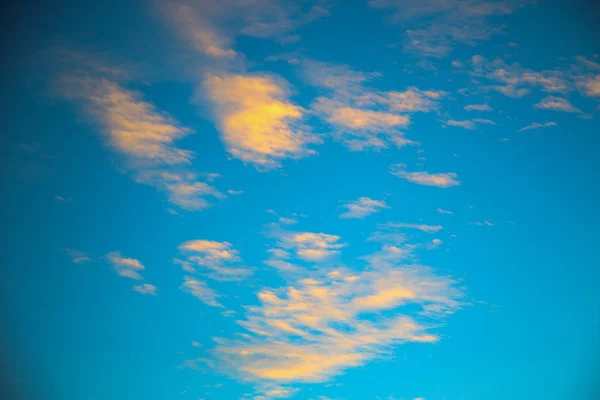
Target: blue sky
pixel 264 199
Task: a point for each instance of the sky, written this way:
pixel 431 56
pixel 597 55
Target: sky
pixel 312 199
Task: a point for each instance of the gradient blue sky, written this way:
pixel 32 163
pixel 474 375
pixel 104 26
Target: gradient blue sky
pixel 265 199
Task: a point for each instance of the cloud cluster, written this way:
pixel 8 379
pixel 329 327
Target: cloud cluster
pixel 328 319
pixel 363 117
pixel 513 80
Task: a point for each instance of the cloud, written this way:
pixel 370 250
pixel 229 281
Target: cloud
pixel 235 192
pixel 536 125
pixel 215 258
pixel 143 136
pixel 211 26
pixel 422 227
pixel 434 28
pixel 557 104
pixel 202 35
pixel 443 180
pixel 310 246
pixel 362 117
pixel 334 319
pixel 78 257
pixel 326 318
pixel 591 86
pixel 145 288
pixel 513 80
pixel 362 207
pixel 462 124
pixel 126 267
pixel 442 211
pixel 478 107
pixel 258 123
pixel 482 223
pixel 200 290
pixel 483 121
pixel 588 63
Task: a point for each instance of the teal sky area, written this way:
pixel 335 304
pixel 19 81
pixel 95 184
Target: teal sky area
pixel 312 200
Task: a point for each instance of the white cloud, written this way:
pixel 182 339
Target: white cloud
pixel 536 125
pixel 78 257
pixel 422 227
pixel 557 104
pixel 218 260
pixel 485 222
pixel 442 211
pixel 124 266
pixel 145 288
pixel 462 124
pixel 443 180
pixel 478 107
pixel 591 86
pixel 200 290
pixel 362 207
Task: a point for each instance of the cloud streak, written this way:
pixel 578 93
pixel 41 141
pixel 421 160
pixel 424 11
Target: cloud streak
pixel 442 180
pixel 144 137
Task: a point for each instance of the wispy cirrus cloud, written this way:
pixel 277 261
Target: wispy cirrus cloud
pixel 478 107
pixel 556 104
pixel 434 28
pixel 537 125
pixel 77 256
pixel 211 27
pixel 125 266
pixel 363 207
pixel 421 227
pixel 142 136
pixel 443 180
pixel 470 125
pixel 442 211
pixel 217 260
pixel 200 290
